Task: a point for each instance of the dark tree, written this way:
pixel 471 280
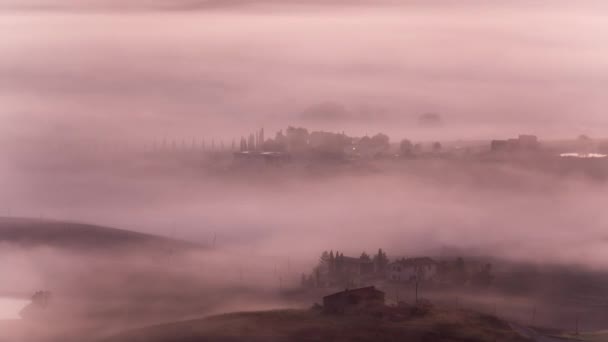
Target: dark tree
pixel 380 261
pixel 332 263
pixel 380 141
pixel 297 138
pixel 406 148
pixel 459 272
pixel 324 260
pixel 251 143
pixel 365 257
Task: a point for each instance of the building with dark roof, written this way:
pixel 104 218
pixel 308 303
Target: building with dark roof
pixel 356 300
pixel 523 143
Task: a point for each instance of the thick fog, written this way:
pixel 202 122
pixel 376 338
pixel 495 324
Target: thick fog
pixel 86 90
pixel 99 76
pixel 489 70
pixel 422 207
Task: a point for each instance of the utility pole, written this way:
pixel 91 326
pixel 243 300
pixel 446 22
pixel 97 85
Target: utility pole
pixel 397 294
pixel 416 290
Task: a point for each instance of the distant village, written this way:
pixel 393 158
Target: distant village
pixel 298 143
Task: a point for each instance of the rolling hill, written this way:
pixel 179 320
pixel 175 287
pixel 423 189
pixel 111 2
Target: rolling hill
pixel 26 232
pixel 309 325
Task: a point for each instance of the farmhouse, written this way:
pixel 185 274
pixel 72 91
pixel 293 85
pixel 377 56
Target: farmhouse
pixel 349 301
pixel 522 143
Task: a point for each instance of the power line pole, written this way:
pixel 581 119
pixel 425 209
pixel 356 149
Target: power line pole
pixel 416 290
pixel 397 293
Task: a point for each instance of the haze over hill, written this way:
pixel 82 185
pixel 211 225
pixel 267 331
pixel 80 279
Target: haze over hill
pixel 238 68
pixel 235 144
pixel 37 233
pixel 301 326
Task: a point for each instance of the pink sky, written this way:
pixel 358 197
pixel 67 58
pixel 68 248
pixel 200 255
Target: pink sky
pixel 490 70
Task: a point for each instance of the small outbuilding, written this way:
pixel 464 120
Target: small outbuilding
pixel 354 300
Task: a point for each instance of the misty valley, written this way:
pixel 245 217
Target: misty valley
pixel 207 230
pixel 303 171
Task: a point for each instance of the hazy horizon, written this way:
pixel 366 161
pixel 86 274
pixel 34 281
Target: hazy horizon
pixel 87 89
pixel 184 72
pixel 489 70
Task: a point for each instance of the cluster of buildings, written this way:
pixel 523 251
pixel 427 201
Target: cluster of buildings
pixel 341 270
pixel 299 143
pixel 338 270
pixel 412 269
pixel 255 141
pixel 369 298
pixel 355 300
pixel 522 143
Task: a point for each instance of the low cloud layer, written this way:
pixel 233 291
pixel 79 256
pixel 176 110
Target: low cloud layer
pixel 411 209
pixel 85 88
pixel 97 77
pixel 489 70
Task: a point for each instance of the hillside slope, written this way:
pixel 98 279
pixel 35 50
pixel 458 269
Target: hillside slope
pixel 297 325
pixel 77 236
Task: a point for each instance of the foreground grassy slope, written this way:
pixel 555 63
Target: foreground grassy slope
pixel 296 325
pixel 76 236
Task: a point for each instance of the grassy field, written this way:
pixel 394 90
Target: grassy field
pixel 308 325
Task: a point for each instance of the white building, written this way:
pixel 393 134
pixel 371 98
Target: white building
pixel 408 270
